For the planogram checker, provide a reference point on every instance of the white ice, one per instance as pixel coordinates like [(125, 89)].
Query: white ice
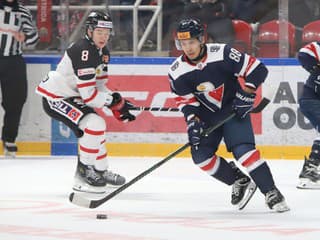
[(177, 201)]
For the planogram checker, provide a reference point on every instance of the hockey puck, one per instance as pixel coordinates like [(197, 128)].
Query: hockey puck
[(102, 216)]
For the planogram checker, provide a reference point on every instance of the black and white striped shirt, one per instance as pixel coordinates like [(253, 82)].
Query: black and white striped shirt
[(14, 19)]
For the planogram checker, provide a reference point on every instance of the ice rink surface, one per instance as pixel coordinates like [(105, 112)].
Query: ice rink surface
[(177, 201)]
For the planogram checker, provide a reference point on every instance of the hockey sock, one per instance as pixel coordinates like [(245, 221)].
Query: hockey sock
[(225, 173), (263, 178)]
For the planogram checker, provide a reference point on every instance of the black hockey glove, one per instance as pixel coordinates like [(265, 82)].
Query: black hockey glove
[(243, 103), (120, 108), (195, 128)]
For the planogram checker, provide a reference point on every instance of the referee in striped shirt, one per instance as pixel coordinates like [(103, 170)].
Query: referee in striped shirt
[(16, 29)]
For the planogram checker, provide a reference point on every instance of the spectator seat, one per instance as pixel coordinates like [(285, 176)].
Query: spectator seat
[(311, 32), (267, 42), (243, 36)]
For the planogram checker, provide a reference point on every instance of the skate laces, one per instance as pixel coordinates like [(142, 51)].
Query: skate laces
[(238, 184), (113, 178), (235, 190), (310, 167), (91, 173), (110, 175), (273, 197)]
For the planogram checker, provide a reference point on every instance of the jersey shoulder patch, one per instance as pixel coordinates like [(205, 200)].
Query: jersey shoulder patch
[(215, 52), (174, 66), (215, 47), (179, 67)]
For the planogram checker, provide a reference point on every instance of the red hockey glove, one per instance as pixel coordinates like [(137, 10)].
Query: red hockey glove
[(120, 108)]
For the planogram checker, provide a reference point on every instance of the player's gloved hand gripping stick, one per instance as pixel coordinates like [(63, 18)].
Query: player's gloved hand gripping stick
[(80, 200), (243, 103), (120, 108)]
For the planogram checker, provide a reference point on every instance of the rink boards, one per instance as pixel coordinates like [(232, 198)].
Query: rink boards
[(281, 130)]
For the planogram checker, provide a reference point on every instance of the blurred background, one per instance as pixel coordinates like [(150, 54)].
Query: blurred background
[(263, 28), (142, 50)]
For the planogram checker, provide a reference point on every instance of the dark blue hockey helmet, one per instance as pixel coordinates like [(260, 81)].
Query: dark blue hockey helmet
[(189, 28), (98, 19)]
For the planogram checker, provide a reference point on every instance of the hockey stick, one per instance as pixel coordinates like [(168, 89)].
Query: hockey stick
[(155, 109), (257, 109), (262, 104), (84, 202)]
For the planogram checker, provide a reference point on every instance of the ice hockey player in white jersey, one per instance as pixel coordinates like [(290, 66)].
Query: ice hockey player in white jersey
[(309, 103), (72, 92), (205, 80)]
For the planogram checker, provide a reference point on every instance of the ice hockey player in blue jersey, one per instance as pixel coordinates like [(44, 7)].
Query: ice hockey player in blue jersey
[(309, 102), (71, 93), (205, 80)]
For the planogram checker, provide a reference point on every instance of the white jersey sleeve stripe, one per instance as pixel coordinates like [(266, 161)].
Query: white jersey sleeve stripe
[(90, 98), (244, 66), (312, 49), (317, 50), (250, 63), (308, 51), (253, 63)]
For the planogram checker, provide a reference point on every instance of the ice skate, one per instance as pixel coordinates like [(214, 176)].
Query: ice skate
[(113, 179), (10, 149), (310, 176), (276, 201), (87, 179), (242, 189)]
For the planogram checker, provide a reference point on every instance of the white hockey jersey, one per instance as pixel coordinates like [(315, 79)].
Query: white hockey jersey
[(80, 73)]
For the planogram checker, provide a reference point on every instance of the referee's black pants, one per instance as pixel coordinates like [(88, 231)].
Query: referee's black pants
[(13, 82)]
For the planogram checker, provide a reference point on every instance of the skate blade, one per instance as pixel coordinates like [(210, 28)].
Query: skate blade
[(308, 184), (83, 187), (110, 185), (248, 195), (87, 190), (281, 207)]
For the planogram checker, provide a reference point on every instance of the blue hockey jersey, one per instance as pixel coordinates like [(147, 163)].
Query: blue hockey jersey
[(206, 88), (309, 58)]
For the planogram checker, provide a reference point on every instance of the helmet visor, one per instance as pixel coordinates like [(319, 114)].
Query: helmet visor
[(181, 36)]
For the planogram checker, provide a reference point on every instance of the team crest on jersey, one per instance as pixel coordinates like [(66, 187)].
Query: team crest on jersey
[(205, 87), (213, 94)]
